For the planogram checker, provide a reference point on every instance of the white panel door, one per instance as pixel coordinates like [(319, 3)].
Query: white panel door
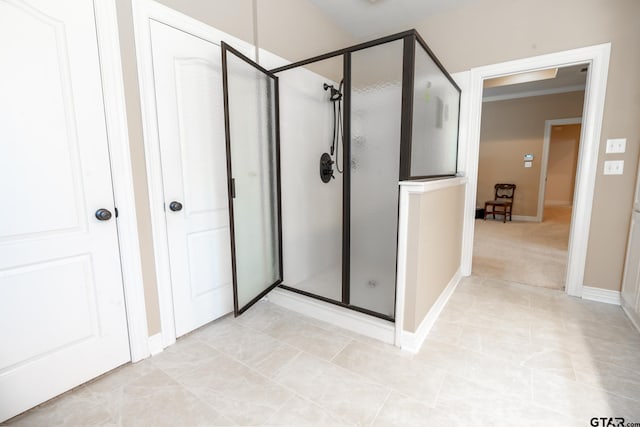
[(188, 86), (62, 317)]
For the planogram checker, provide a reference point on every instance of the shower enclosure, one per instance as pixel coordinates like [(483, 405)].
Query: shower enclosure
[(316, 151)]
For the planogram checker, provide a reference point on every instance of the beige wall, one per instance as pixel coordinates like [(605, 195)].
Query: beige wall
[(434, 249), (564, 143), (293, 29), (234, 17), (509, 130), (493, 31), (136, 146), (297, 30)]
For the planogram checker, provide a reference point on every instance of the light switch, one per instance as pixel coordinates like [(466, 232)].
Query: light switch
[(616, 145), (527, 164), (613, 167)]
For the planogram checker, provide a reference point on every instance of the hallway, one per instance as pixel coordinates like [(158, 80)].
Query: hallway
[(500, 354), (531, 253)]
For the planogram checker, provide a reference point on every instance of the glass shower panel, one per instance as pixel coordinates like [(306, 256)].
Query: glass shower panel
[(376, 101), (253, 150), (434, 142), (312, 209)]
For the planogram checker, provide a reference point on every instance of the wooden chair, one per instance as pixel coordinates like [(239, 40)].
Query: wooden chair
[(502, 203)]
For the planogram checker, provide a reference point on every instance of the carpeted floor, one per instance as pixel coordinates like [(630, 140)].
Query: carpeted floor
[(525, 252)]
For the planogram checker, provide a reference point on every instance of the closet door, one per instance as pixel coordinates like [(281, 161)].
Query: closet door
[(62, 311), (253, 165), (188, 87)]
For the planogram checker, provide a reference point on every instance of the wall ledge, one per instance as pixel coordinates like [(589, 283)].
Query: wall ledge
[(426, 185), (408, 188)]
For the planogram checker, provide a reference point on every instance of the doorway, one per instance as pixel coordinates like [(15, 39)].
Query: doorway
[(598, 59), (559, 163), (519, 146)]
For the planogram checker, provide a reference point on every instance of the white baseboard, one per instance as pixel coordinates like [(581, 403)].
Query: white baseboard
[(412, 341), (601, 295), (339, 316), (525, 218), (155, 344), (633, 315)]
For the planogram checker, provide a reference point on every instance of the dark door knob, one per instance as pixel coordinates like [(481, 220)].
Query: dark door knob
[(103, 214), (175, 206)]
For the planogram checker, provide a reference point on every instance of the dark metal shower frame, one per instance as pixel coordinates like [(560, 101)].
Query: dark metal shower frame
[(410, 37), (225, 48)]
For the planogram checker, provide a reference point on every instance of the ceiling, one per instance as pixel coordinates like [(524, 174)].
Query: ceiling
[(367, 19), (568, 78), (372, 18)]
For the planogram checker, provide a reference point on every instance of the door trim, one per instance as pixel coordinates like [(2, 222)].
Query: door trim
[(143, 12), (598, 58), (121, 175), (542, 188)]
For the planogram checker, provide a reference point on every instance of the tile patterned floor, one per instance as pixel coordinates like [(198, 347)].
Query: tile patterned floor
[(500, 354)]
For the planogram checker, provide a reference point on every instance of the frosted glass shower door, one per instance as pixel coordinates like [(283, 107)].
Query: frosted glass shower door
[(376, 102), (251, 116)]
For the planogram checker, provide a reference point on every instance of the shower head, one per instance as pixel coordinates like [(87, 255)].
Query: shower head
[(336, 95)]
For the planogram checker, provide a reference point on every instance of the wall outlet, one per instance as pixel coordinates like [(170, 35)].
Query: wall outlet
[(613, 167), (616, 145)]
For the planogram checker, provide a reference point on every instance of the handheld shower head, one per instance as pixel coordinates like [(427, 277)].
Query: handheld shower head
[(336, 95)]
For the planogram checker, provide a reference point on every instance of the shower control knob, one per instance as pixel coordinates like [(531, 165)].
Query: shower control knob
[(328, 173), (326, 168), (175, 206)]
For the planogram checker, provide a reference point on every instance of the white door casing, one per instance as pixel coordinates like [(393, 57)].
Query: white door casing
[(61, 290), (188, 87), (145, 12)]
